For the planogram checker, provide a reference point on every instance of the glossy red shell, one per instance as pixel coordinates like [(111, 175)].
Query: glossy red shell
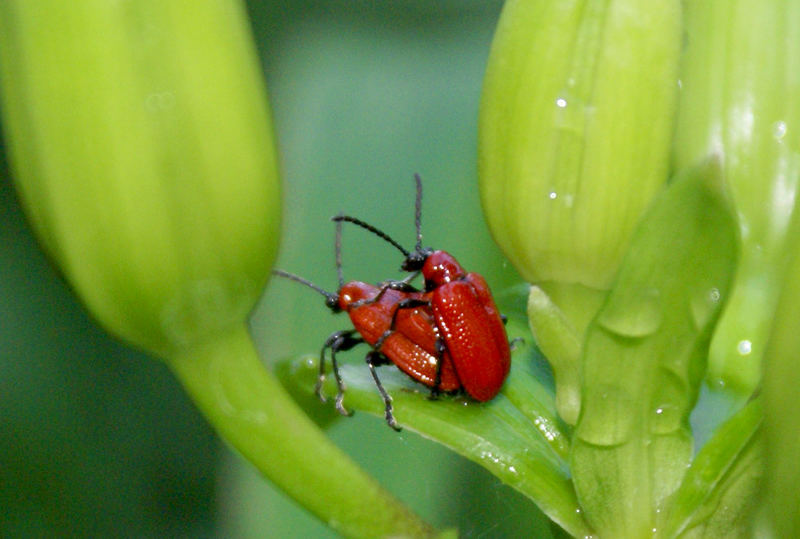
[(477, 356), (473, 330), (412, 346)]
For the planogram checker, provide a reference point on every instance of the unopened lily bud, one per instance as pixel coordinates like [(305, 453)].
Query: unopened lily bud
[(575, 128), (739, 100), (142, 151)]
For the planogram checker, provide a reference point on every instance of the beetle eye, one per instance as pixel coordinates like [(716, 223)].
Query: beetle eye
[(332, 302), (416, 260)]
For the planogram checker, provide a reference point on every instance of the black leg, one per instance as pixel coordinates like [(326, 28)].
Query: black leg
[(512, 344), (437, 382), (516, 340), (339, 341), (373, 358), (402, 286), (409, 303)]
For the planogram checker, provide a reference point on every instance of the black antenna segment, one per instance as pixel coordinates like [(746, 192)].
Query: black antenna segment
[(331, 299), (415, 259), (338, 248), (366, 226), (418, 213)]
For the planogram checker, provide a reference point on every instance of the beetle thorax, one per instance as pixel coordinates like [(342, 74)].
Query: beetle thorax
[(354, 291), (440, 268)]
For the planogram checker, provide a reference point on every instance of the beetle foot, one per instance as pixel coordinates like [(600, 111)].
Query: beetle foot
[(318, 389), (340, 406), (390, 418), (512, 345)]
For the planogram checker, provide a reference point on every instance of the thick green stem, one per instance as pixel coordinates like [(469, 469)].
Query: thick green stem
[(251, 410)]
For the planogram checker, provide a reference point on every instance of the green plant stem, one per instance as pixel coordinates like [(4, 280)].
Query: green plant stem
[(251, 410), (561, 345)]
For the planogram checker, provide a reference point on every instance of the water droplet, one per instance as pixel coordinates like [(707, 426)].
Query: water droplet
[(546, 428), (744, 347), (633, 313), (570, 114), (779, 130), (704, 305), (498, 460), (607, 419), (566, 199), (670, 392), (666, 419)]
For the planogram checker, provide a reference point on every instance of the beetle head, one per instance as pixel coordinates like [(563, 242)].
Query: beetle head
[(414, 261), (441, 267)]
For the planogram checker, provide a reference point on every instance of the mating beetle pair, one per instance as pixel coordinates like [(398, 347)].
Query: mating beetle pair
[(449, 336)]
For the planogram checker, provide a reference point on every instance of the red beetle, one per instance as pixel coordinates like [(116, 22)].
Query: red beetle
[(398, 324), (449, 337), (464, 312)]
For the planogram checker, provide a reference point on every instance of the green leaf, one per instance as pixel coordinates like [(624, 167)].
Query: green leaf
[(516, 436), (644, 356), (727, 468)]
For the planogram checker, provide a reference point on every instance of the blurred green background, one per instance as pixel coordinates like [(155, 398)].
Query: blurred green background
[(97, 439)]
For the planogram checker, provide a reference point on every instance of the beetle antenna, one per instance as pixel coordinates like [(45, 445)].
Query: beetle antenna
[(418, 212), (338, 247), (370, 228), (332, 300)]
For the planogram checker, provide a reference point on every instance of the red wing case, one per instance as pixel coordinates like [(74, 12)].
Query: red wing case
[(474, 334)]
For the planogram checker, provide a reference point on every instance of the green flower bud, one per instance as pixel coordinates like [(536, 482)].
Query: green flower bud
[(740, 82), (142, 151), (575, 127)]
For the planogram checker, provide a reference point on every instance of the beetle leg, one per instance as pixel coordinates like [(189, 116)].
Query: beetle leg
[(386, 285), (338, 341), (368, 301), (373, 359), (403, 285), (512, 344), (409, 303), (440, 349)]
